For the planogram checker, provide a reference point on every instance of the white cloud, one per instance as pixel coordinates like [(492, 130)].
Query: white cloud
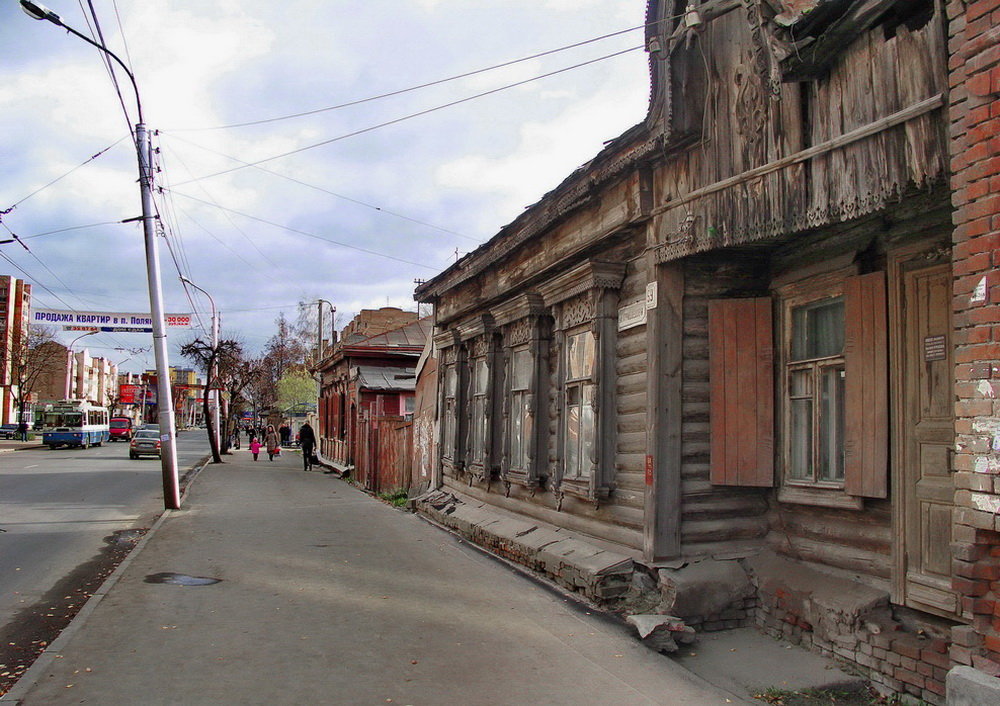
[(469, 168)]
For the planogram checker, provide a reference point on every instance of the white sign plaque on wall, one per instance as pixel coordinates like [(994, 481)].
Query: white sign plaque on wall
[(632, 315)]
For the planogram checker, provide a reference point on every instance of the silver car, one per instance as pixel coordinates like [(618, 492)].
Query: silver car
[(146, 442)]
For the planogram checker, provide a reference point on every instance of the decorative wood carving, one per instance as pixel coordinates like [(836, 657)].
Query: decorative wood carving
[(577, 311)]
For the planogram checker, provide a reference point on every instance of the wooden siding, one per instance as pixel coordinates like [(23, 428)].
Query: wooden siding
[(866, 355), (859, 542), (714, 519), (874, 77), (631, 367)]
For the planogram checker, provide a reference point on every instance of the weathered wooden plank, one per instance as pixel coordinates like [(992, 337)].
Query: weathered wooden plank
[(903, 116), (631, 363), (632, 443), (841, 557), (629, 383), (867, 398), (719, 531)]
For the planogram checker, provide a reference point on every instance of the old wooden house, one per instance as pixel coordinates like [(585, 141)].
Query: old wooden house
[(367, 382), (724, 347)]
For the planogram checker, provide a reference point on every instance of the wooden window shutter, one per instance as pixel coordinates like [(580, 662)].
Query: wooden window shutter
[(866, 441), (741, 356)]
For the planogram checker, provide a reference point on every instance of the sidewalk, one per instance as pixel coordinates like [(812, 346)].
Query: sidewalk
[(7, 445), (328, 596)]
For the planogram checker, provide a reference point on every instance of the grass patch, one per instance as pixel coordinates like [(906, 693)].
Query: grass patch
[(396, 498)]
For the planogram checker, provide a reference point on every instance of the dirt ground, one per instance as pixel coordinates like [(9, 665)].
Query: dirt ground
[(846, 696)]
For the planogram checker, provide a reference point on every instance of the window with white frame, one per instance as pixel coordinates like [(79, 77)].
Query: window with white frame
[(578, 411), (520, 420), (815, 393)]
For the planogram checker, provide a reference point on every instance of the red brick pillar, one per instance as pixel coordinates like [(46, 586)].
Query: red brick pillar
[(974, 71)]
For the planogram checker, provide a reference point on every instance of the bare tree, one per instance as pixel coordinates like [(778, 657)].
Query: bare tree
[(36, 355), (283, 353), (237, 376), (113, 400), (212, 359)]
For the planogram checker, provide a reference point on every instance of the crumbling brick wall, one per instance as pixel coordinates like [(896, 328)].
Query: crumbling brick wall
[(974, 73)]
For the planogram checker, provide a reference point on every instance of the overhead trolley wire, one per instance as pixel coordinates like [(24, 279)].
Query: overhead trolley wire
[(55, 296), (306, 233), (228, 217), (324, 190), (105, 59), (60, 178), (428, 84), (420, 113), (69, 228)]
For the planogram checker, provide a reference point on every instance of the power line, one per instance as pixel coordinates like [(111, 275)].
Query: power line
[(408, 117), (105, 59), (44, 287), (306, 233), (69, 228), (233, 223), (327, 191), (121, 32), (429, 84), (60, 178)]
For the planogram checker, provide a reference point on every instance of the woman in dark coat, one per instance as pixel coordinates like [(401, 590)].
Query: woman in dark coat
[(272, 442)]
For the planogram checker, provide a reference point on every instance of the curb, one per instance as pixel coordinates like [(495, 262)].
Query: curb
[(22, 448), (35, 672)]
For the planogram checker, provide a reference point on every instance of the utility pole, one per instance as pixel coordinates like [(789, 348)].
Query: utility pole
[(168, 430)]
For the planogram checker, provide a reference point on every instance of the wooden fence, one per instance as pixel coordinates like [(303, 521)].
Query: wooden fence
[(384, 453)]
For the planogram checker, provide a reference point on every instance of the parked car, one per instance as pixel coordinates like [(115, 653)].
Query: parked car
[(146, 442), (8, 431), (121, 429)]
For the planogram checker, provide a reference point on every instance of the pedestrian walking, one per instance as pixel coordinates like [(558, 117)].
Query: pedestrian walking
[(254, 447), (307, 442), (272, 442), (285, 432)]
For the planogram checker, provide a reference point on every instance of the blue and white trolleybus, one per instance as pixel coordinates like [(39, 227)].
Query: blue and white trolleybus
[(72, 423)]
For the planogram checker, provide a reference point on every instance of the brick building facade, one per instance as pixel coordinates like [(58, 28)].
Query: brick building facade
[(974, 72)]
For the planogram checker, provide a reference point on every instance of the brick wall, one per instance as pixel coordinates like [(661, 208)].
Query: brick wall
[(894, 659), (974, 71)]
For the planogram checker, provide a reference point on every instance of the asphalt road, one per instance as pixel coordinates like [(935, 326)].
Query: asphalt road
[(58, 506)]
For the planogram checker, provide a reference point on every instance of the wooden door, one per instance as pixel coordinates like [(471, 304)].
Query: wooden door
[(925, 490)]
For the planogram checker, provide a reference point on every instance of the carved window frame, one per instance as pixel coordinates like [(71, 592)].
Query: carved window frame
[(450, 388), (523, 327), (586, 298), (478, 409)]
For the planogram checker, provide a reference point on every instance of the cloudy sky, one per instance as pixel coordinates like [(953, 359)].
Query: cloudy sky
[(354, 220)]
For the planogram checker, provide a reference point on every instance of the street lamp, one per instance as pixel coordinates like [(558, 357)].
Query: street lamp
[(78, 373), (168, 436), (213, 369), (319, 327)]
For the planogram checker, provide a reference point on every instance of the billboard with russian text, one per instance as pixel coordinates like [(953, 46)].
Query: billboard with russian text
[(106, 320)]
